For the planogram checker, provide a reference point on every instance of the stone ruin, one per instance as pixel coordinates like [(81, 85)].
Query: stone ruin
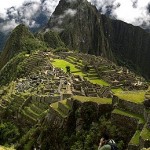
[(117, 77)]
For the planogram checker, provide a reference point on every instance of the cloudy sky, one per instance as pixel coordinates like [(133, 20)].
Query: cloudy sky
[(12, 12)]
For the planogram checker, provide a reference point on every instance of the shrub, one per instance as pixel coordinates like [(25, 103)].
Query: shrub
[(8, 133)]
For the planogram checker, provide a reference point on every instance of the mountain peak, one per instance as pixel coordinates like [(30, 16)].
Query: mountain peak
[(67, 4), (20, 39), (21, 31), (78, 23)]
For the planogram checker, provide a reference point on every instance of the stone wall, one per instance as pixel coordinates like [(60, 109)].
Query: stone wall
[(124, 121), (128, 106), (45, 99)]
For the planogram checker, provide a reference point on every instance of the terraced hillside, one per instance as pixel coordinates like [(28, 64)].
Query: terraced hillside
[(48, 94), (130, 108)]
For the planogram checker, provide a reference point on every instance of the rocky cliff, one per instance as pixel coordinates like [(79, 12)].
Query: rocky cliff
[(82, 27), (130, 44)]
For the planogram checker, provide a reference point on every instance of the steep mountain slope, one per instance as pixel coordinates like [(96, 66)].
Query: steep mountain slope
[(82, 27), (19, 40), (130, 44), (51, 39)]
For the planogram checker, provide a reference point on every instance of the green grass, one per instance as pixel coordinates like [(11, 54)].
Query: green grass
[(59, 63), (116, 90), (62, 64), (133, 96), (129, 114), (93, 99), (55, 107), (64, 103), (135, 138), (98, 81), (145, 134)]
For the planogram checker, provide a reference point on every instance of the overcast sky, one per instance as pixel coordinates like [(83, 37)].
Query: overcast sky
[(136, 12)]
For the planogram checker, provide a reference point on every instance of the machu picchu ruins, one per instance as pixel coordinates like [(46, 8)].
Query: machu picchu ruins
[(51, 91), (74, 78)]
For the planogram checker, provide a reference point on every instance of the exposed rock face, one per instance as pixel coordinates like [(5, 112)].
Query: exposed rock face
[(129, 43), (124, 121), (80, 27), (128, 106)]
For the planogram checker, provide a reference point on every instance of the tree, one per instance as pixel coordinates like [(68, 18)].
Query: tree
[(8, 133)]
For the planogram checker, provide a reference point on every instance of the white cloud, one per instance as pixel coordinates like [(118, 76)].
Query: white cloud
[(131, 11), (70, 12), (128, 13), (24, 11), (8, 26), (9, 3), (49, 6)]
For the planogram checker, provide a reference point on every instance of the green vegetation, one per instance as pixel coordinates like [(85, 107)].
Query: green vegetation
[(61, 49), (56, 108), (116, 90), (135, 138), (51, 38), (145, 134), (129, 114), (6, 148), (98, 81), (133, 96), (64, 102), (8, 72), (53, 137), (8, 133), (62, 64), (20, 40), (93, 99), (25, 114)]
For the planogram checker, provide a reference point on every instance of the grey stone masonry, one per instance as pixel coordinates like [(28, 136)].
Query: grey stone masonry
[(124, 121), (45, 99), (128, 106)]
